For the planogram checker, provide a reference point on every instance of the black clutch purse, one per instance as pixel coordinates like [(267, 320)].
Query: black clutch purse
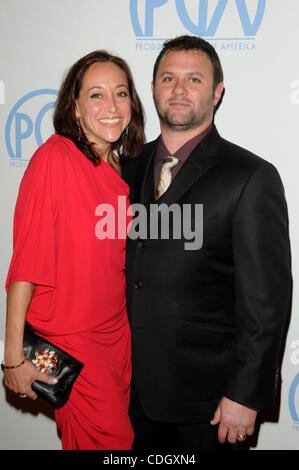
[(51, 360)]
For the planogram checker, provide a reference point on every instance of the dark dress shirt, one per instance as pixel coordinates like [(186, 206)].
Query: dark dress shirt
[(182, 154)]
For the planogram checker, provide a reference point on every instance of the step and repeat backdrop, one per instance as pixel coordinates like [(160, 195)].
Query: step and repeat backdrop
[(257, 41)]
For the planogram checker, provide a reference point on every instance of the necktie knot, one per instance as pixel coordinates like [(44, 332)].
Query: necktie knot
[(169, 161), (165, 175)]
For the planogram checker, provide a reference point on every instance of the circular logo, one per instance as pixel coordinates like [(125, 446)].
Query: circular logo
[(292, 399), (27, 121)]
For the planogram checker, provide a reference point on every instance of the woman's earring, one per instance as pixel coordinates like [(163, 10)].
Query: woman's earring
[(127, 130), (79, 129)]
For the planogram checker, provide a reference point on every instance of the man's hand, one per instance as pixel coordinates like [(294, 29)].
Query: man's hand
[(233, 419)]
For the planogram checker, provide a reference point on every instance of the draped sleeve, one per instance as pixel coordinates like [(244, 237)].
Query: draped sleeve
[(35, 218)]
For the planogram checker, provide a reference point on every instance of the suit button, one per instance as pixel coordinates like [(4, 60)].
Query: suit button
[(138, 285)]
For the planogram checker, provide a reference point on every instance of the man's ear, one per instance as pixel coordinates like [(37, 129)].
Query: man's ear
[(218, 93)]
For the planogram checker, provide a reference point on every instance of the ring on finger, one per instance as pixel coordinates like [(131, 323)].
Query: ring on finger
[(241, 436), (21, 395)]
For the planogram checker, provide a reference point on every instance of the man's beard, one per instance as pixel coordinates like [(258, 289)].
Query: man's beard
[(189, 121)]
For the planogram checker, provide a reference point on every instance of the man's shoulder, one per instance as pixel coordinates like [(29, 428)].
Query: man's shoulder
[(242, 164), (237, 156), (237, 162)]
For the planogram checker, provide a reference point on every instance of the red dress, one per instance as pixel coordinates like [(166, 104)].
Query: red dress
[(79, 297)]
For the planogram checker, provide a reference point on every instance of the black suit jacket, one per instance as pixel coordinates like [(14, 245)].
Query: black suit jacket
[(208, 323)]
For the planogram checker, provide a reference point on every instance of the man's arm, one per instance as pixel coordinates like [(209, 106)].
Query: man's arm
[(262, 288)]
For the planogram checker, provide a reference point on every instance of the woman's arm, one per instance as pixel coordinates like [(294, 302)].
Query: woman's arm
[(18, 299), (19, 379)]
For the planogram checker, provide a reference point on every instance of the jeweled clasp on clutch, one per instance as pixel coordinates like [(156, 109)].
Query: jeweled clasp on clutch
[(45, 360)]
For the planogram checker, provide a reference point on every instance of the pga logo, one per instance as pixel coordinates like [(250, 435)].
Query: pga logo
[(294, 388), (28, 123), (293, 403), (211, 13)]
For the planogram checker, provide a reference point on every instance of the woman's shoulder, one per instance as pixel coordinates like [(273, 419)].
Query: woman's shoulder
[(56, 144), (56, 150)]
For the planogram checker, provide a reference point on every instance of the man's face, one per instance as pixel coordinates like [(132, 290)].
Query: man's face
[(183, 91)]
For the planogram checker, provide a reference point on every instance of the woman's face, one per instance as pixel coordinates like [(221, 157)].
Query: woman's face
[(104, 105)]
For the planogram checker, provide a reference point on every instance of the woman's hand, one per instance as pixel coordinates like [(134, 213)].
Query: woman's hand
[(19, 380)]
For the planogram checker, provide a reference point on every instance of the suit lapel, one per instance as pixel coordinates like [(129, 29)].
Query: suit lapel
[(145, 177), (201, 159)]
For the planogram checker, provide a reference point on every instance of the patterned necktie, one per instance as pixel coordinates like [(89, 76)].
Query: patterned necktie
[(165, 175)]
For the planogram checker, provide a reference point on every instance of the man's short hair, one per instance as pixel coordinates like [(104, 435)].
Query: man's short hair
[(190, 43)]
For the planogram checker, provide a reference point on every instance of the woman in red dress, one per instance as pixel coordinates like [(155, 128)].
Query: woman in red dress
[(66, 276)]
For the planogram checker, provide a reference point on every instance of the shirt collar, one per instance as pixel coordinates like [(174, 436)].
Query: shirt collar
[(183, 152)]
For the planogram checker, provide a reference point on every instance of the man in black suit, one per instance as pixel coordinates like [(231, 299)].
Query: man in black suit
[(207, 320)]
